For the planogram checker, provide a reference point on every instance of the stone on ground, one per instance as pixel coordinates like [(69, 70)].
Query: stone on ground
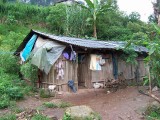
[(79, 112)]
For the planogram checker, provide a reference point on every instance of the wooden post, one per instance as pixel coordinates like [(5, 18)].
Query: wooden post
[(150, 82)]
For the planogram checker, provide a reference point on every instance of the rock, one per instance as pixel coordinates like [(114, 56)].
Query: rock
[(155, 89), (141, 110), (155, 104), (79, 112)]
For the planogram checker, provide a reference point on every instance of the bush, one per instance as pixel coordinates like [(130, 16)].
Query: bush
[(4, 101), (44, 93), (15, 93)]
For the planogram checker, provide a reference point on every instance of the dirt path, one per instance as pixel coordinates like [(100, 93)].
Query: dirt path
[(121, 105)]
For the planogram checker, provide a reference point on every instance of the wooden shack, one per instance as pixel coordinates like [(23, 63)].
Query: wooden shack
[(80, 71)]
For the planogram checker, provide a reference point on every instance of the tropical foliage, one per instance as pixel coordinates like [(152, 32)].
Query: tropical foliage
[(109, 23)]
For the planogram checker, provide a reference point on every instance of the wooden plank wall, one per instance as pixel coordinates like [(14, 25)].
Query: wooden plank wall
[(70, 73), (129, 70), (105, 74), (142, 67), (84, 73)]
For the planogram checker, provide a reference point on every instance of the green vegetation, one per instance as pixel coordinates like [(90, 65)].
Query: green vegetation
[(64, 104), (44, 93), (59, 105), (16, 20), (152, 113), (8, 117), (50, 105)]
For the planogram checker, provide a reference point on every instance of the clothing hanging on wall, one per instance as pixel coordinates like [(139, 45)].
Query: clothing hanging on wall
[(73, 54), (94, 62), (66, 55), (60, 69)]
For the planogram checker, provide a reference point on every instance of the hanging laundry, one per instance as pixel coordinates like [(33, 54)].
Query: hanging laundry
[(28, 48), (65, 55), (60, 69), (94, 63), (73, 56), (102, 61)]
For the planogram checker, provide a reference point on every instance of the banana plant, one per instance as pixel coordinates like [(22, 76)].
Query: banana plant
[(95, 8)]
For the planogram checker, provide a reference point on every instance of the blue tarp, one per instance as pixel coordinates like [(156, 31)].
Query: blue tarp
[(28, 48)]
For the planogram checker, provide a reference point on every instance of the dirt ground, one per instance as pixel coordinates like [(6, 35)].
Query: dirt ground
[(121, 105)]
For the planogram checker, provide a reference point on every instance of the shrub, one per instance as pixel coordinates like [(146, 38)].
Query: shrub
[(15, 93), (44, 93), (28, 71), (4, 101)]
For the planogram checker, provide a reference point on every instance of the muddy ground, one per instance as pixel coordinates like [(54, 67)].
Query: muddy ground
[(125, 104)]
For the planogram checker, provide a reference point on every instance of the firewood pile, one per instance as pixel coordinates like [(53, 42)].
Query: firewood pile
[(113, 85)]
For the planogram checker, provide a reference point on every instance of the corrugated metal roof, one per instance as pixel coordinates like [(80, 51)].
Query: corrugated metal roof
[(91, 43)]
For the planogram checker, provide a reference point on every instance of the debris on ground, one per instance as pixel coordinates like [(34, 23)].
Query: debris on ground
[(155, 89)]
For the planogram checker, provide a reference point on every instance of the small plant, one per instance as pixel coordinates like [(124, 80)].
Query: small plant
[(50, 105), (67, 117), (43, 93), (39, 117), (64, 104), (94, 116), (152, 113)]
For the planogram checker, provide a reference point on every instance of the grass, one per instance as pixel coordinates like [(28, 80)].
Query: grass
[(8, 117), (50, 105), (54, 105), (64, 104)]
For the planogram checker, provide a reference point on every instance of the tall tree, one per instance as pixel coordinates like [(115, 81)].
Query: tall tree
[(156, 7), (95, 8)]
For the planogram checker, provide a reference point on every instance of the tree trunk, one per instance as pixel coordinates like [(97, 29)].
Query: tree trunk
[(150, 83), (159, 20), (95, 29)]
